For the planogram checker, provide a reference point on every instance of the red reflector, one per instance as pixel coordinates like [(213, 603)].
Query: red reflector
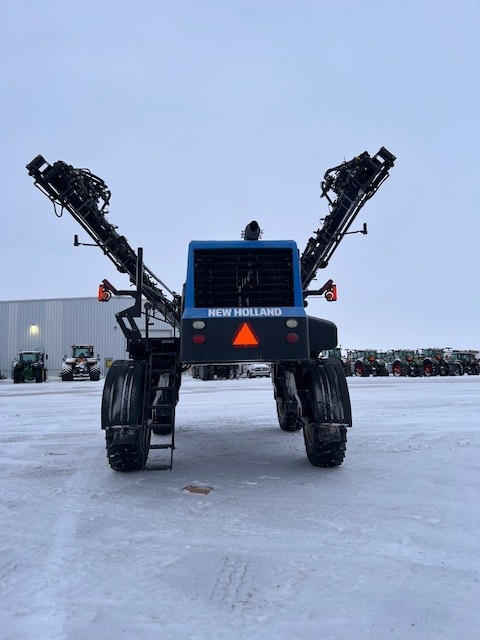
[(245, 337), (292, 337), (198, 338)]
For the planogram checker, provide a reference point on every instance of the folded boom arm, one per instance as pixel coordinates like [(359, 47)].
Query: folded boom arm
[(347, 187), (86, 198)]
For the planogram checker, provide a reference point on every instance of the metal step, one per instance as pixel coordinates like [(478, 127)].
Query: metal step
[(158, 407), (165, 410), (158, 467)]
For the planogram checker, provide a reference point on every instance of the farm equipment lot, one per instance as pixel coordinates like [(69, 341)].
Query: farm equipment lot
[(384, 546)]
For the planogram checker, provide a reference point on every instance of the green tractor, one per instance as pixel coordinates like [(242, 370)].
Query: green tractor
[(461, 362), (434, 363), (406, 362), (30, 366), (368, 362), (469, 360)]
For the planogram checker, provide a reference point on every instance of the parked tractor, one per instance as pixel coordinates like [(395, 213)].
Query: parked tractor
[(433, 362), (243, 301), (30, 366), (406, 363), (368, 363), (468, 360), (455, 362), (82, 364)]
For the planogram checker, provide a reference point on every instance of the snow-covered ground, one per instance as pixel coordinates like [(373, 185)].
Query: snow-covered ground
[(385, 546)]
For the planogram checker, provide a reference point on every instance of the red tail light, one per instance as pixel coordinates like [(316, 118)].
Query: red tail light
[(104, 294), (331, 294)]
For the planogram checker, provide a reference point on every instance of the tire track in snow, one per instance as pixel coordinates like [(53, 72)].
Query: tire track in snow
[(232, 589), (51, 593)]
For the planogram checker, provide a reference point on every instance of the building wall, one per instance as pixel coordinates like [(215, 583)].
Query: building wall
[(54, 325)]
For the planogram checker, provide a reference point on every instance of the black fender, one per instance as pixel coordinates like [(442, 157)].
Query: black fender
[(322, 334)]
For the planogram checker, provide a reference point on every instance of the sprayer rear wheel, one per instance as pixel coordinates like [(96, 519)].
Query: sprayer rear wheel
[(329, 404), (287, 421), (127, 438)]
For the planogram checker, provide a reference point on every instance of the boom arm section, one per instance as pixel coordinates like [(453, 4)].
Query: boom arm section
[(347, 187), (86, 198)]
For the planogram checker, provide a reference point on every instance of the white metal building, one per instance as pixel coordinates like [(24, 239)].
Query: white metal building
[(54, 325)]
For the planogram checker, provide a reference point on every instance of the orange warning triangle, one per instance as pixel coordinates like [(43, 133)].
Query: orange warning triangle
[(245, 337)]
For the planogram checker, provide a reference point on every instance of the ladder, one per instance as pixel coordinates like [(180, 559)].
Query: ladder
[(161, 396)]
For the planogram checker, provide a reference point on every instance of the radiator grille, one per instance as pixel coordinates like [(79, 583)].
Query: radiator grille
[(243, 278)]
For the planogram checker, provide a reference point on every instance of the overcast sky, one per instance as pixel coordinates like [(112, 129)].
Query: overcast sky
[(203, 115)]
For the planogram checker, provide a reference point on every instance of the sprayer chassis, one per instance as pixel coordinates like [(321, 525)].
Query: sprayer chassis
[(242, 302)]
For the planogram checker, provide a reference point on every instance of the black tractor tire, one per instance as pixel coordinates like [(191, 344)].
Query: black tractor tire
[(41, 375), (17, 376), (457, 369), (287, 421), (122, 404), (67, 377), (95, 376), (329, 403), (347, 367)]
